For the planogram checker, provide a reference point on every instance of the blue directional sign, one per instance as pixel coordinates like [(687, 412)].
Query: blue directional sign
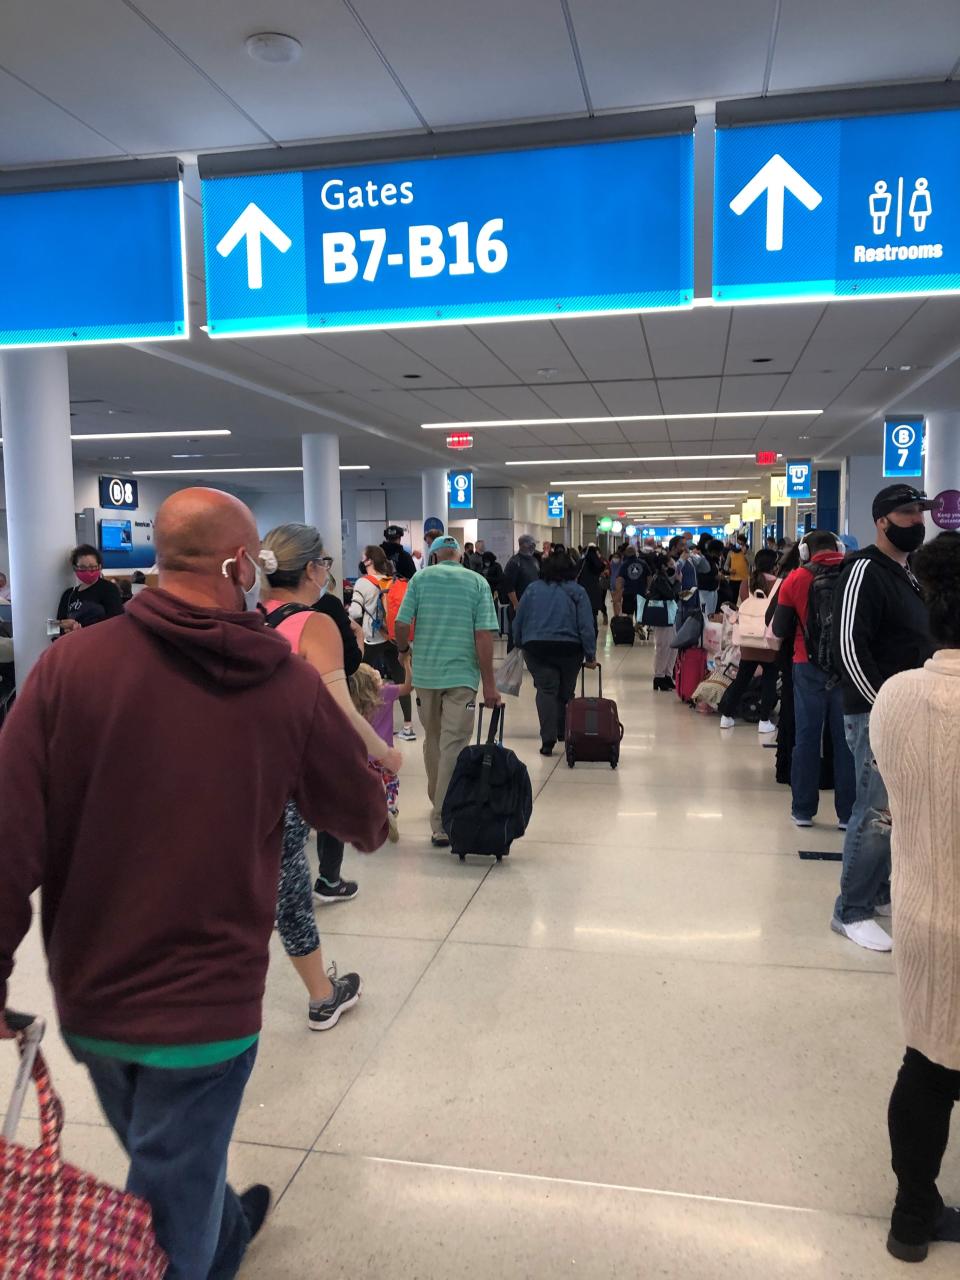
[(558, 230), (903, 447), (847, 207), (799, 478), (461, 490), (554, 506), (92, 264)]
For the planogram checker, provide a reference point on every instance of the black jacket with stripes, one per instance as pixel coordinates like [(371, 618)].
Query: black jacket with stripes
[(880, 626)]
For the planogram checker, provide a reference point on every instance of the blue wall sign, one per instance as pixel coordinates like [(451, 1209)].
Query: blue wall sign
[(663, 531), (461, 490), (433, 524), (556, 230), (119, 494), (846, 207), (903, 447), (554, 506), (92, 264), (799, 478)]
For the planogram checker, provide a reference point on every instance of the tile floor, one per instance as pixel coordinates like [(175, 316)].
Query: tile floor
[(635, 1049)]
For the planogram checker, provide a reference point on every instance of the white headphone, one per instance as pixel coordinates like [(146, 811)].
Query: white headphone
[(805, 548)]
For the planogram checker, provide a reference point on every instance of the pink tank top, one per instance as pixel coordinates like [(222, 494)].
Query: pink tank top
[(291, 628)]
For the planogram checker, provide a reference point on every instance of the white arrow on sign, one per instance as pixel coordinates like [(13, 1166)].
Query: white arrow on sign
[(776, 177), (253, 225)]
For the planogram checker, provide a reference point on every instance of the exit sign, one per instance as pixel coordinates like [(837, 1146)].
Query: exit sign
[(766, 459)]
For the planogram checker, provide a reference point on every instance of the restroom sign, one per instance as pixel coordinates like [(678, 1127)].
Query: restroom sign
[(903, 447), (461, 490)]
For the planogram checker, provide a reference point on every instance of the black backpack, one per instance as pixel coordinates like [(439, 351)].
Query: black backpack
[(489, 800), (818, 629)]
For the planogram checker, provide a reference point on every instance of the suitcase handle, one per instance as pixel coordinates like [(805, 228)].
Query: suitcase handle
[(583, 679), (498, 717)]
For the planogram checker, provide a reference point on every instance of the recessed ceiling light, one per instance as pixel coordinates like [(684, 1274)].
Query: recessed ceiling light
[(897, 368), (622, 417), (272, 46), (412, 377), (762, 360), (546, 373), (803, 437)]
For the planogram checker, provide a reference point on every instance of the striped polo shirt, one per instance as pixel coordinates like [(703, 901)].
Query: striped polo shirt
[(449, 603)]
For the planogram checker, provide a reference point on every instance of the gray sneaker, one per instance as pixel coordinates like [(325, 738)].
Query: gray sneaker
[(346, 992)]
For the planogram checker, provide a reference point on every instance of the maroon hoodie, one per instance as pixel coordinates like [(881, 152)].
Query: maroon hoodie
[(143, 777)]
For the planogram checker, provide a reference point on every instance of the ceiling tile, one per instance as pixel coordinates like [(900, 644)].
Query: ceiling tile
[(513, 402), (528, 345), (512, 61), (813, 389), (311, 358), (690, 395), (751, 391), (882, 43), (44, 132), (600, 433), (639, 52), (104, 64), (699, 429), (380, 352), (458, 353), (559, 436), (729, 430), (339, 85), (607, 347), (929, 335), (572, 400), (776, 333), (630, 397), (687, 343), (646, 432), (456, 403), (851, 333)]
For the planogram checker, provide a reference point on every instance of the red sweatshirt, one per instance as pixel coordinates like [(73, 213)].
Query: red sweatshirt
[(143, 777)]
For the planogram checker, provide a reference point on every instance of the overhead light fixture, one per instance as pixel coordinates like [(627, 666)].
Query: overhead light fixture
[(657, 494), (231, 471), (149, 435), (621, 417), (273, 47), (632, 457), (572, 484)]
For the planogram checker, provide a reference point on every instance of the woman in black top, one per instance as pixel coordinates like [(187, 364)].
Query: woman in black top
[(93, 599), (591, 570)]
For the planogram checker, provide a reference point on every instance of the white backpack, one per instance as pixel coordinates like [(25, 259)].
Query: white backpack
[(750, 630)]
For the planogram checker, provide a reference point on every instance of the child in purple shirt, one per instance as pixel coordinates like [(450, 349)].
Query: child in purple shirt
[(374, 699)]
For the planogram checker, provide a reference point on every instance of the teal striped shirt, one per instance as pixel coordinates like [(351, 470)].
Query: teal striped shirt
[(448, 603)]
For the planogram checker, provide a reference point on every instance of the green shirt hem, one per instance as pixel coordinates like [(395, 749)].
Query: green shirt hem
[(168, 1056)]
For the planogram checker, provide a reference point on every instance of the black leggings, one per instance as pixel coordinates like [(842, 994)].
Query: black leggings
[(768, 688), (554, 667), (386, 659), (919, 1121)]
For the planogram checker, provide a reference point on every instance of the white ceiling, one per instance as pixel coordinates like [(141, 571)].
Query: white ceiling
[(112, 78)]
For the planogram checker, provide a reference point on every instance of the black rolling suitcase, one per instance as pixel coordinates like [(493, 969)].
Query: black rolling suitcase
[(489, 800), (623, 629)]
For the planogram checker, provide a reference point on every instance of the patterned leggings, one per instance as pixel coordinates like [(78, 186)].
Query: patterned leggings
[(296, 922)]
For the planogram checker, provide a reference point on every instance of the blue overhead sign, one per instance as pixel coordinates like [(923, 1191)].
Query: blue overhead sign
[(92, 264), (554, 506), (799, 479), (848, 207), (461, 490), (903, 447), (551, 231)]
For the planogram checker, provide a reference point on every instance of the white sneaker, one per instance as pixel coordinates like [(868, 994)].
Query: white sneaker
[(865, 933), (766, 726), (727, 722), (407, 735), (801, 822), (841, 826), (886, 910)]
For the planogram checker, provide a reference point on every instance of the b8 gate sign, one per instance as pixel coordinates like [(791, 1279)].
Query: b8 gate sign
[(903, 447), (563, 230)]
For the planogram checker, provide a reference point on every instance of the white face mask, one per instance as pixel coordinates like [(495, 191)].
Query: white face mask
[(251, 595)]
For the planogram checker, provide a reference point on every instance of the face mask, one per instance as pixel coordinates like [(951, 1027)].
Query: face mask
[(88, 576), (251, 595), (909, 538)]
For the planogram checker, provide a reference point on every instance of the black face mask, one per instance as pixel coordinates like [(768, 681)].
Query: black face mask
[(906, 538)]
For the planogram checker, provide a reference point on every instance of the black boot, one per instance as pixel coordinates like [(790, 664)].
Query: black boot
[(667, 684)]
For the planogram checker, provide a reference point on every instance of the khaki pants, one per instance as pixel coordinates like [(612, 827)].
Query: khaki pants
[(447, 716)]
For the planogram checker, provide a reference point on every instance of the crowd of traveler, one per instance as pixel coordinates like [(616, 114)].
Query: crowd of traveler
[(259, 683)]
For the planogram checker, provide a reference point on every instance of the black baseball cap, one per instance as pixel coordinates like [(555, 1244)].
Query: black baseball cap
[(896, 496), (393, 531)]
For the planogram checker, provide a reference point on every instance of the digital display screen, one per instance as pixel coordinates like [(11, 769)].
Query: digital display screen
[(116, 535)]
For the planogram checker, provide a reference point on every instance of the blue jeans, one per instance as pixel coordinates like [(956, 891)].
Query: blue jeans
[(175, 1125), (865, 882), (814, 706)]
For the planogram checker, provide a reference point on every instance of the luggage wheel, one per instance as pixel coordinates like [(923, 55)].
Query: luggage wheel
[(571, 759)]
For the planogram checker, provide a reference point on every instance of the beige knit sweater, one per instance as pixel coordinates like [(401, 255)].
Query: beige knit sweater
[(915, 735)]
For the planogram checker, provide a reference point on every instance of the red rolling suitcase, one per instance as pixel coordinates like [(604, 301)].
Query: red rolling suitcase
[(690, 672), (593, 728)]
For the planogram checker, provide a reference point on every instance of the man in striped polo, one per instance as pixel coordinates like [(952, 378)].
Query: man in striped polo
[(452, 654), (880, 628)]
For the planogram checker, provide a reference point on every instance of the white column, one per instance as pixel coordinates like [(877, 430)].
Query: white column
[(321, 495), (434, 488), (38, 471), (942, 465)]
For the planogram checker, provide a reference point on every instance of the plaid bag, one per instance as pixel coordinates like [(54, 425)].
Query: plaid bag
[(57, 1222)]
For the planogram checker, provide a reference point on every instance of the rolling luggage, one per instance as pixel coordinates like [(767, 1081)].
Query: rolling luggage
[(593, 728), (489, 800), (54, 1219), (690, 672), (623, 629)]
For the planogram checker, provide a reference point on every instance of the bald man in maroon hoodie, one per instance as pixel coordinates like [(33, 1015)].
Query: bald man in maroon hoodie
[(157, 922)]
